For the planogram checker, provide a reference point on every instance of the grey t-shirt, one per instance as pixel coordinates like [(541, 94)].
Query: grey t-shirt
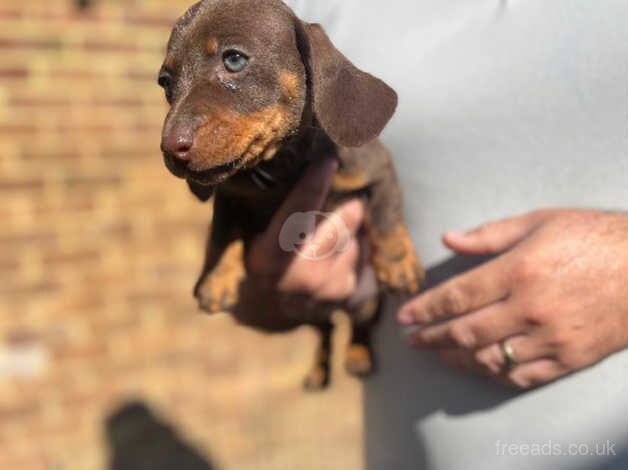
[(505, 107)]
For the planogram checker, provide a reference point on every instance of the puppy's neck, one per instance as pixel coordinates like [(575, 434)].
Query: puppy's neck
[(300, 150), (278, 175)]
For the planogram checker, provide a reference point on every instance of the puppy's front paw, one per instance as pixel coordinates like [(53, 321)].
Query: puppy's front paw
[(317, 379), (403, 276), (218, 291), (395, 261), (217, 294), (359, 360)]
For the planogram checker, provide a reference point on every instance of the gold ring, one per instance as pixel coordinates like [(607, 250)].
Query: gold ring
[(509, 355)]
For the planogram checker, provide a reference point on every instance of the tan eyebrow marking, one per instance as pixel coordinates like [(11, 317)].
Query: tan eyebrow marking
[(212, 46), (289, 84)]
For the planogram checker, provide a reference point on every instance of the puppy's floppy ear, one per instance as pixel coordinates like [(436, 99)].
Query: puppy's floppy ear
[(350, 105), (203, 193), (184, 21)]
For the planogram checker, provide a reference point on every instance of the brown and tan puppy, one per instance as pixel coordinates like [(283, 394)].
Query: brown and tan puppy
[(256, 94)]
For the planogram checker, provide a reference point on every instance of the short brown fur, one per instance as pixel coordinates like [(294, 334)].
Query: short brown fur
[(254, 132), (221, 286), (228, 133), (394, 259)]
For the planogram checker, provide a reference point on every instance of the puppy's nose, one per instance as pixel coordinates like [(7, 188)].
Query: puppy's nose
[(179, 144)]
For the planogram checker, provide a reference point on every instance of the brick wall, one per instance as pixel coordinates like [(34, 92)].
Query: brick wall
[(99, 249)]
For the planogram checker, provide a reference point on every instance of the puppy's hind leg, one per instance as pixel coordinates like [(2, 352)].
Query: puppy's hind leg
[(359, 359), (319, 375)]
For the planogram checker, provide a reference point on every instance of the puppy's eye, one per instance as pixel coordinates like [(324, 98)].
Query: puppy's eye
[(235, 61), (165, 81)]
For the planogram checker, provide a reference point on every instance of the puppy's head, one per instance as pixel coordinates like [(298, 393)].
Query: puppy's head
[(239, 75)]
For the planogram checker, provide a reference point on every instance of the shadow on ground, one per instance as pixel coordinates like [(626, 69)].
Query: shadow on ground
[(138, 440)]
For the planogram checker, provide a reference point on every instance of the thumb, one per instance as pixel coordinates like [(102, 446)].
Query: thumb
[(494, 237)]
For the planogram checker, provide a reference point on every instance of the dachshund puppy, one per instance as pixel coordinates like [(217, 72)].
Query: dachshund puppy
[(255, 95)]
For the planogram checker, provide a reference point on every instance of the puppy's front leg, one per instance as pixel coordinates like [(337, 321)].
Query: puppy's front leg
[(218, 286), (359, 360), (370, 168), (393, 256), (318, 377)]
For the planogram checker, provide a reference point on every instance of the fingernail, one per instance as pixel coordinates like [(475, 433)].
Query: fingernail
[(354, 206), (455, 235), (405, 317)]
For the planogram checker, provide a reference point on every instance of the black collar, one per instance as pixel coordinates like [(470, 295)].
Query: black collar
[(262, 178)]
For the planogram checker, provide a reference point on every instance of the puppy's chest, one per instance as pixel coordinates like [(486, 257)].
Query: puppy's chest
[(253, 205), (256, 195)]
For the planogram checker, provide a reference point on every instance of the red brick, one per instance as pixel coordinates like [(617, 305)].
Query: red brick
[(32, 184), (36, 238), (55, 156), (50, 286), (71, 205), (82, 256), (9, 14), (142, 76), (38, 102), (13, 73), (122, 154), (74, 181), (74, 74), (120, 229), (65, 129), (122, 103), (44, 44), (21, 129), (19, 411), (87, 170), (8, 263), (147, 19), (19, 338), (94, 45)]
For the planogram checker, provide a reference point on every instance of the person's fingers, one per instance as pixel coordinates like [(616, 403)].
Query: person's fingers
[(335, 231), (342, 279), (534, 374), (367, 285), (525, 376), (463, 294), (525, 349), (491, 361), (474, 330), (462, 359), (310, 269), (326, 279), (309, 194), (494, 237)]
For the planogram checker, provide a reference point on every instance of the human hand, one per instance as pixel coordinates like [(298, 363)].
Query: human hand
[(556, 294), (279, 276)]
